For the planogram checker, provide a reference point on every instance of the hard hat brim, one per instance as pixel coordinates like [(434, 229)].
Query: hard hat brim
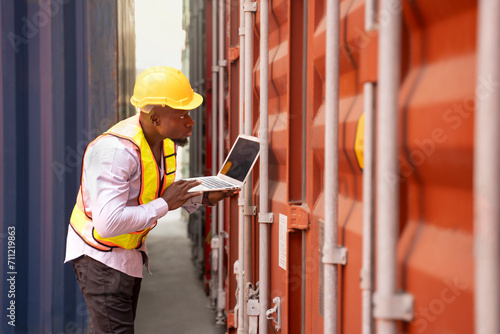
[(195, 102)]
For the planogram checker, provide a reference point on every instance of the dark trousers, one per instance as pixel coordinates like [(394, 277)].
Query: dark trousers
[(111, 295)]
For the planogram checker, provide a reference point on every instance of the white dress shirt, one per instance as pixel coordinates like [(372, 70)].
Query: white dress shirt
[(112, 180)]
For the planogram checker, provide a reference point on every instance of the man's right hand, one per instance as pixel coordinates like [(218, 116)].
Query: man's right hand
[(177, 193)]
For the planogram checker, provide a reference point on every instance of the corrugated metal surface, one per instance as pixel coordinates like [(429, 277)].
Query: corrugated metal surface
[(285, 154), (436, 112), (350, 179), (67, 73), (59, 88)]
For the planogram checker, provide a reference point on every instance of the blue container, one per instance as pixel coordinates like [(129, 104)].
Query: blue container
[(60, 83)]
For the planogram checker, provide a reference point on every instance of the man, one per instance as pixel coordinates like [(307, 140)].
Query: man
[(128, 183)]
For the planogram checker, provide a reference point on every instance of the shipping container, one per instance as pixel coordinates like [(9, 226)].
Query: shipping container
[(67, 70), (373, 207), (402, 189)]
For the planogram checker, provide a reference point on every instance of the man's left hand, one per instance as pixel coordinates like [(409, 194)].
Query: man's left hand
[(215, 196)]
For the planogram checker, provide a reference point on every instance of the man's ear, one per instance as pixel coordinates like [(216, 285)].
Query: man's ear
[(155, 120)]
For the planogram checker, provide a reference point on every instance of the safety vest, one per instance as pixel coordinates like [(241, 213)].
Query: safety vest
[(151, 187)]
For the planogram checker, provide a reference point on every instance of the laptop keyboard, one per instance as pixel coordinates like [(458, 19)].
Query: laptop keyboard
[(213, 183)]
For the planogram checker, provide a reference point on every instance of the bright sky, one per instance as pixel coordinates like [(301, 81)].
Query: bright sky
[(160, 38)]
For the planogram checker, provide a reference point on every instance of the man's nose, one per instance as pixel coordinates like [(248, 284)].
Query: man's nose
[(189, 121)]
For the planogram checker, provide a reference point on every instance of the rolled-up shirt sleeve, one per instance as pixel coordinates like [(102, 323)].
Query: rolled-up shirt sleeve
[(193, 204), (107, 182)]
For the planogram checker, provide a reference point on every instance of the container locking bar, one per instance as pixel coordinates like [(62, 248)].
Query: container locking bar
[(365, 280), (241, 200), (398, 306)]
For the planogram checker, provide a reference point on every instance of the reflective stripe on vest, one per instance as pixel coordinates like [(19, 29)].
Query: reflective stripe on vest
[(151, 187)]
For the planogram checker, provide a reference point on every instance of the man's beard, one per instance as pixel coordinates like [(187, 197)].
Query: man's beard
[(181, 142)]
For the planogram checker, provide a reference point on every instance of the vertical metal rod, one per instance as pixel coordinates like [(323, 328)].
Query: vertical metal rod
[(304, 160), (241, 199), (387, 156), (264, 167), (368, 188), (221, 298), (368, 209), (201, 88), (304, 100), (487, 171), (193, 65), (214, 132), (331, 162), (248, 130)]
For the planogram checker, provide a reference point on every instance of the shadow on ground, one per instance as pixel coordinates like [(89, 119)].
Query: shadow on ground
[(172, 300)]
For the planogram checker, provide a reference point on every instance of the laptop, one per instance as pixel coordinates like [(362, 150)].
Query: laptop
[(235, 168)]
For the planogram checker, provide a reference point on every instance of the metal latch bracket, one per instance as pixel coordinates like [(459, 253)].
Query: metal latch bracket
[(253, 308), (215, 242), (250, 210), (398, 306), (337, 255), (277, 311), (266, 217), (299, 217), (250, 7)]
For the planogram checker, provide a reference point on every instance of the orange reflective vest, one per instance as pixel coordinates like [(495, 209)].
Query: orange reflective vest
[(151, 187)]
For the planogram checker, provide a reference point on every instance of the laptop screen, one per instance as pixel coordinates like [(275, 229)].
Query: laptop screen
[(241, 159)]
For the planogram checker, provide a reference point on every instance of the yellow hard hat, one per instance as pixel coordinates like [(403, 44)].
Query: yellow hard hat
[(164, 85)]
